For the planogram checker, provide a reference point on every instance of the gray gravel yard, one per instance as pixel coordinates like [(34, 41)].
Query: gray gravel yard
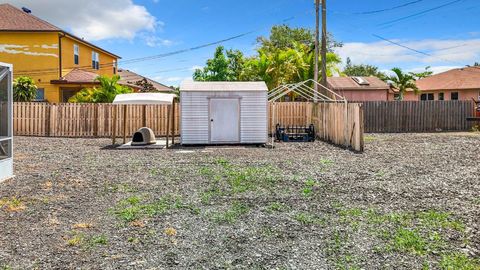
[(411, 201)]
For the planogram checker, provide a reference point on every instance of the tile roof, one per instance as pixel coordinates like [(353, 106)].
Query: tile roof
[(455, 79), (14, 19), (223, 86), (342, 83), (130, 78), (77, 76)]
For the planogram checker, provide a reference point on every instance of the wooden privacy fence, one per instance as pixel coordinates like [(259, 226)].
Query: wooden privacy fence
[(417, 116), (340, 124), (337, 123), (290, 114), (87, 120)]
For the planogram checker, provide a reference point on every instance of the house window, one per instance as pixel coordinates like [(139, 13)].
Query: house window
[(454, 96), (95, 61), (428, 96), (40, 94), (441, 96), (114, 66), (76, 53)]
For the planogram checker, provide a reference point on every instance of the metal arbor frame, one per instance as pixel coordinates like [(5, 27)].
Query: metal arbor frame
[(307, 92)]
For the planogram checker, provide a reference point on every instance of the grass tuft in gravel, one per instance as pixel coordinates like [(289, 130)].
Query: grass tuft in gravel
[(12, 204), (459, 261), (134, 208), (309, 219), (86, 242), (231, 214), (409, 241), (227, 179)]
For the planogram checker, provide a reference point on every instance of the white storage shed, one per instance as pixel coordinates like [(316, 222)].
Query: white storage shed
[(223, 113), (6, 122)]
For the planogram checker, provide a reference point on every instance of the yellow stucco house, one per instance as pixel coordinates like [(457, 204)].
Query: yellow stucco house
[(60, 63)]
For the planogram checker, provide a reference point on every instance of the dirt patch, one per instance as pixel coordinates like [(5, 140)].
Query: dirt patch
[(410, 201)]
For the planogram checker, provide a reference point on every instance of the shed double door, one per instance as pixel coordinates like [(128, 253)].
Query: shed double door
[(224, 120)]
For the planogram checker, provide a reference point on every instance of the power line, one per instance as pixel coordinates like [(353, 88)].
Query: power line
[(134, 60), (417, 51), (387, 9), (153, 57), (420, 13)]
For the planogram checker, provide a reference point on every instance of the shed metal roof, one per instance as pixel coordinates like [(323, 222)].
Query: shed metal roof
[(223, 86), (144, 98)]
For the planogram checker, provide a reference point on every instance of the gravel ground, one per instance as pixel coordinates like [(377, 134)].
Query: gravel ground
[(410, 201)]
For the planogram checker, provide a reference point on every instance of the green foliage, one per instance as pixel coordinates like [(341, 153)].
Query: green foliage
[(283, 37), (232, 214), (443, 220), (309, 219), (24, 89), (227, 179), (282, 66), (286, 56), (224, 66), (411, 241), (309, 186), (105, 93), (458, 261), (133, 208), (362, 70), (276, 207), (403, 81), (420, 75)]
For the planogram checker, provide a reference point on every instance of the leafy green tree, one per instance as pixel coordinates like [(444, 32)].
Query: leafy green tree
[(24, 89), (105, 93), (476, 64), (284, 37), (286, 56), (224, 66), (420, 75), (362, 70), (403, 81), (282, 66)]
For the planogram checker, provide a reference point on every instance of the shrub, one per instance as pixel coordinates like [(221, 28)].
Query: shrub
[(105, 93), (24, 89)]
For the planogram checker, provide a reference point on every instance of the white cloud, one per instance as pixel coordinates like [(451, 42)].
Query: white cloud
[(195, 68), (442, 52), (154, 41), (94, 19)]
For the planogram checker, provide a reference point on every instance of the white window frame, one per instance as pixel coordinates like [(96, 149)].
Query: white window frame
[(95, 60), (76, 52)]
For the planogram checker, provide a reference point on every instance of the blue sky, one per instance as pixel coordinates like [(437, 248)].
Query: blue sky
[(450, 34)]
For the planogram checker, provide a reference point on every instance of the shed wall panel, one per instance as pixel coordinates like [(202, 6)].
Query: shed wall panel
[(195, 115)]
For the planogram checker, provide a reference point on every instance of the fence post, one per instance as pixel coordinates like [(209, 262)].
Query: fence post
[(53, 120), (95, 120)]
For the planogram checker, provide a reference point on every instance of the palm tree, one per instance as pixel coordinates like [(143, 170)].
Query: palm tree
[(403, 81), (106, 93)]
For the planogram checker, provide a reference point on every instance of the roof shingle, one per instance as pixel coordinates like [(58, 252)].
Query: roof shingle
[(455, 79), (14, 19), (78, 76), (130, 78), (347, 83)]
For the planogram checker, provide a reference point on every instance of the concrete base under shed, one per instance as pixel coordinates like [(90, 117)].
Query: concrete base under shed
[(161, 144)]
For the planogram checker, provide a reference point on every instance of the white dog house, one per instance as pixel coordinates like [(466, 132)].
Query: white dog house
[(223, 113), (6, 122)]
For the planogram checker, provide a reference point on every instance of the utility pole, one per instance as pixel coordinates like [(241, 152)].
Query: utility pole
[(317, 37), (324, 45)]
